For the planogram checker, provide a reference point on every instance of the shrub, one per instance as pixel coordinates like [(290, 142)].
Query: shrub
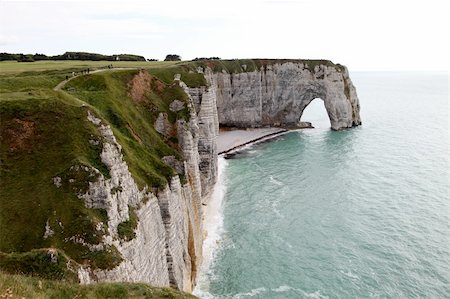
[(173, 57)]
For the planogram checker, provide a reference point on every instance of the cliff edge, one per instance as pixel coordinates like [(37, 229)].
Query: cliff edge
[(105, 179), (257, 93)]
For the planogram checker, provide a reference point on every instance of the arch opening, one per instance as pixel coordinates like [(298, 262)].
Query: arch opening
[(315, 115)]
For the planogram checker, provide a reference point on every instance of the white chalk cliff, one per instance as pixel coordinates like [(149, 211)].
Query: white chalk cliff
[(277, 95), (167, 248)]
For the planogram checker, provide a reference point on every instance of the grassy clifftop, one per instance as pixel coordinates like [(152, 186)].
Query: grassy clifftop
[(18, 68), (130, 101), (250, 65), (17, 286), (45, 134)]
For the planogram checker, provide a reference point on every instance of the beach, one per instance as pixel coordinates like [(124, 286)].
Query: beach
[(229, 140)]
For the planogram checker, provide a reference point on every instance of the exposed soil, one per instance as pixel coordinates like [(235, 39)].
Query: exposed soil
[(142, 83), (136, 136), (19, 134)]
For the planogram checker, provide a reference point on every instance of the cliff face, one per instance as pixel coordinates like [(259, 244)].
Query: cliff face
[(205, 112), (167, 247), (129, 226), (277, 94)]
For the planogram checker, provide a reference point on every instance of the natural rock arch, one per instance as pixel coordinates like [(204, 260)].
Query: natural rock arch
[(278, 94)]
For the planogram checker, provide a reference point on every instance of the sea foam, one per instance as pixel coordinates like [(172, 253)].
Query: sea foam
[(213, 226)]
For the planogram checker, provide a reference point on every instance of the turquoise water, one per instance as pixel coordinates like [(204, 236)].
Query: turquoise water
[(360, 213)]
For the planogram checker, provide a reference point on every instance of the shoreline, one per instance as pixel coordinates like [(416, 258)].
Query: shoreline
[(234, 140), (212, 231), (213, 221)]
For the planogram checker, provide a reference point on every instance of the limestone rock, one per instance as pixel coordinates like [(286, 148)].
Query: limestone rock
[(204, 101), (163, 125), (57, 181), (305, 125), (280, 92), (150, 232), (48, 230), (176, 106), (174, 163), (168, 242)]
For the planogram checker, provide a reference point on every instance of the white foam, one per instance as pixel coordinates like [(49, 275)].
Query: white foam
[(315, 294), (282, 289), (247, 147), (349, 274), (275, 181), (251, 293), (285, 288), (213, 225)]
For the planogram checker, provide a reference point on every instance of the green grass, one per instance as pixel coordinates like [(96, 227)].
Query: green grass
[(107, 258), (132, 121), (189, 75), (18, 286), (126, 229), (30, 81), (43, 263), (250, 65), (13, 67), (46, 134)]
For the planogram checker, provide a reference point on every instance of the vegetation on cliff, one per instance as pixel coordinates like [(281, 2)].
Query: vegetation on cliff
[(131, 108), (18, 286), (46, 263), (126, 229), (45, 134), (250, 65), (48, 151)]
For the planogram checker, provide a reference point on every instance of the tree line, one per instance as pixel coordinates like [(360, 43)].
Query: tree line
[(205, 58), (175, 57), (90, 56), (71, 56)]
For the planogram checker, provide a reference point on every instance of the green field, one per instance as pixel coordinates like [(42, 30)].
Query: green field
[(231, 66), (14, 67)]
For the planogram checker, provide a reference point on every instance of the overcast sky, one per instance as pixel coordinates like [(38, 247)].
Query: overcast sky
[(364, 35)]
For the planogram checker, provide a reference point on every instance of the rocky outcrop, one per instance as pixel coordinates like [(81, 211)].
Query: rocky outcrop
[(163, 126), (168, 242), (203, 100), (277, 94), (144, 258)]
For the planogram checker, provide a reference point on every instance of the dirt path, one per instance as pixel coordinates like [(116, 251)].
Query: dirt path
[(62, 83)]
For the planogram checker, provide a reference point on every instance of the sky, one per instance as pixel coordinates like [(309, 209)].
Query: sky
[(363, 35)]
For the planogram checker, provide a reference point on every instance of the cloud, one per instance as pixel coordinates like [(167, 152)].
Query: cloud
[(8, 39)]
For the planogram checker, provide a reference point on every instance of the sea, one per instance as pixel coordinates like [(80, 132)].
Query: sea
[(359, 213)]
